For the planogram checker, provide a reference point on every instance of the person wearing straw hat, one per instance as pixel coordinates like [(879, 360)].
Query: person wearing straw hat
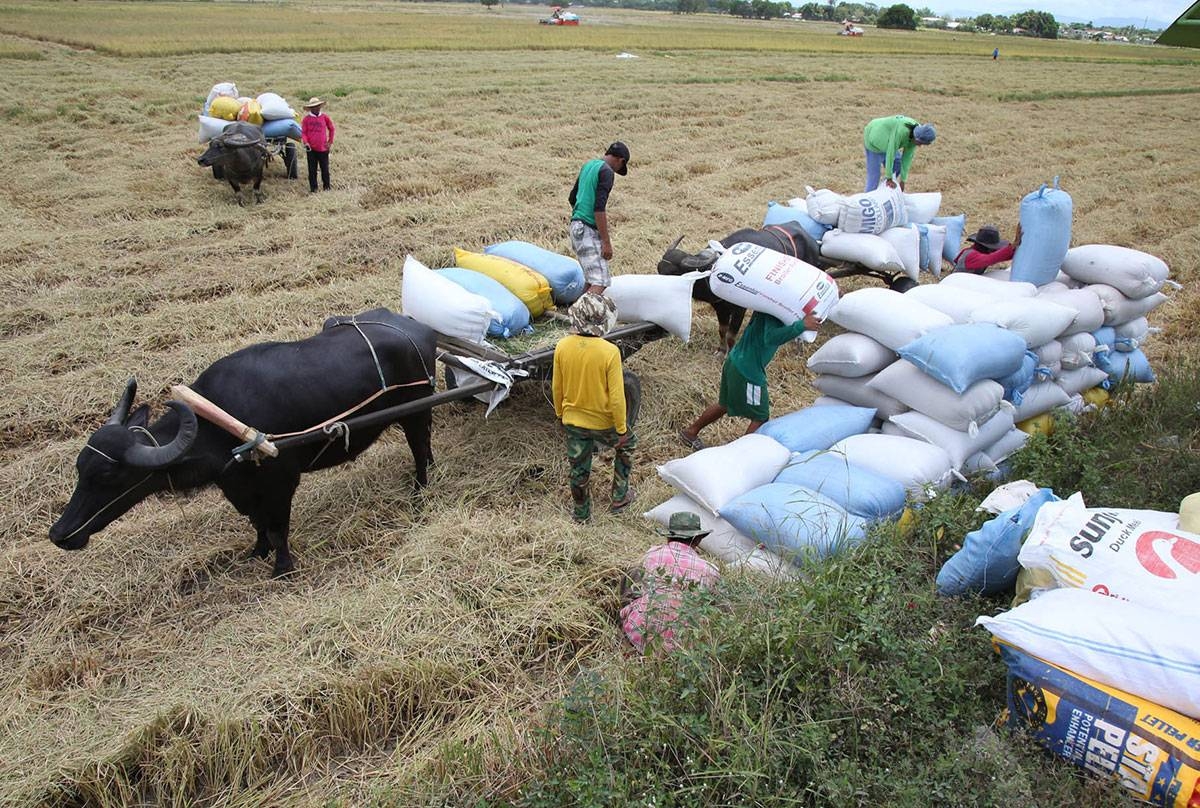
[(316, 133), (589, 214), (892, 142), (986, 249), (589, 399)]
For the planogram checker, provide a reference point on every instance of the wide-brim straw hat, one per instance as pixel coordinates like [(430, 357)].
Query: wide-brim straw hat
[(313, 103)]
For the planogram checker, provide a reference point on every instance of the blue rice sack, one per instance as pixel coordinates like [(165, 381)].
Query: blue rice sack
[(954, 234), (1045, 235), (960, 355), (794, 522), (987, 562), (563, 273), (514, 315), (1131, 364), (818, 427), (283, 127), (860, 491), (778, 213), (1016, 383)]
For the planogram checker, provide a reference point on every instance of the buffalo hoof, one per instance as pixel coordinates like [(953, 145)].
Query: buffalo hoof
[(257, 552), (241, 204), (258, 198), (284, 571)]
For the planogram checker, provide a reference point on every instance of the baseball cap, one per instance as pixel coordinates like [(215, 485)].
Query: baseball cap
[(619, 149)]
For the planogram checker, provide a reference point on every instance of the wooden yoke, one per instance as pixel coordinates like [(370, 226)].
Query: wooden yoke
[(215, 415)]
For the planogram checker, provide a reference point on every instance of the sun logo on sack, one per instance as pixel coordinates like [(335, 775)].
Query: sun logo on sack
[(1182, 555)]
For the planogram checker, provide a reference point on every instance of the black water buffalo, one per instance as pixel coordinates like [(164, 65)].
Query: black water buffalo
[(276, 387), (238, 154), (789, 239)]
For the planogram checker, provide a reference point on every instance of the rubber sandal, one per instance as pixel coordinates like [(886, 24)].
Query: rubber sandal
[(695, 444), (618, 507)]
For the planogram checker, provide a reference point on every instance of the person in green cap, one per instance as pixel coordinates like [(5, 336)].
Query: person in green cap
[(589, 215), (893, 141)]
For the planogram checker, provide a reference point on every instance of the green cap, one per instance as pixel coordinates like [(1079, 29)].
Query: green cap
[(685, 526)]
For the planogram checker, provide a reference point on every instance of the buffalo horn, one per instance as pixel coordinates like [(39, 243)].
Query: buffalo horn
[(153, 457), (121, 412)]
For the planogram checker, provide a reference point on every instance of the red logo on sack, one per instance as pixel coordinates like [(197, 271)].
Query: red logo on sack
[(1182, 555)]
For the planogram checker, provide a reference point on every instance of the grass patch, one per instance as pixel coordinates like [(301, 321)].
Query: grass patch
[(1046, 95)]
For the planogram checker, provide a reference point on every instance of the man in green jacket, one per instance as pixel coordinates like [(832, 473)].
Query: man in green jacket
[(589, 215), (892, 142)]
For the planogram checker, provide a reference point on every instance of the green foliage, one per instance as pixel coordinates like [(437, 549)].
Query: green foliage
[(1037, 23), (898, 16), (489, 3)]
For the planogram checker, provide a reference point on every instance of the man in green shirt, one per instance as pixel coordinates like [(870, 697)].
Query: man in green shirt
[(589, 215), (744, 375), (892, 142)]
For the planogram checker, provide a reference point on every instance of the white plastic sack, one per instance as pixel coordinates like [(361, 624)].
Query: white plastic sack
[(664, 300), (956, 303), (1148, 651), (224, 88), (851, 355), (911, 386), (771, 282), (1089, 311), (1050, 355), (1120, 309), (958, 444), (274, 108), (823, 205), (858, 391), (1010, 442), (888, 317), (988, 286), (1040, 398), (869, 250), (442, 304), (1078, 351), (714, 476), (1038, 321), (873, 211), (1133, 273), (1131, 335), (913, 463), (921, 208), (723, 541), (1074, 382), (907, 243), (210, 128)]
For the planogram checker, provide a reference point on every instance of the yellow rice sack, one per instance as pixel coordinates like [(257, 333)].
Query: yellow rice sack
[(1096, 395), (530, 287), (1030, 580), (251, 112), (1189, 513), (1038, 425), (225, 108)]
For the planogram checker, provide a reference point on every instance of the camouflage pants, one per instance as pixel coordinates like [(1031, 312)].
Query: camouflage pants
[(581, 445)]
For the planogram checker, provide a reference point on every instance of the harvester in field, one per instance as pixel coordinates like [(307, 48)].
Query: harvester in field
[(560, 17)]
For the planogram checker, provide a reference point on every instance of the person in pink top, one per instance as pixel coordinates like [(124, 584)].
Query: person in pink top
[(987, 249), (316, 133)]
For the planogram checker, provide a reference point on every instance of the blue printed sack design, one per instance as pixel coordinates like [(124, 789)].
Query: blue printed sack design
[(1046, 235), (954, 234), (860, 491), (960, 355), (795, 522), (778, 213), (987, 562), (564, 274), (818, 427), (514, 315)]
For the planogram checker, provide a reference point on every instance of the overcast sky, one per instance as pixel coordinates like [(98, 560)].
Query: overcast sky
[(1165, 11)]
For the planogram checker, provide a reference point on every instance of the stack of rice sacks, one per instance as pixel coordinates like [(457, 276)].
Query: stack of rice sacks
[(268, 110), (781, 495), (886, 230)]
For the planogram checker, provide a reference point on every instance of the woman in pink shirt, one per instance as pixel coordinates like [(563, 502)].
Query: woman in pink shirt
[(316, 133), (987, 249)]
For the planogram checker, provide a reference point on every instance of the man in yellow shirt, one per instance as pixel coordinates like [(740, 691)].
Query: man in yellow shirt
[(589, 398)]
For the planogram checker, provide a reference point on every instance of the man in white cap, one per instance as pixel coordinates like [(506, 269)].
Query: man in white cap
[(589, 398), (589, 214)]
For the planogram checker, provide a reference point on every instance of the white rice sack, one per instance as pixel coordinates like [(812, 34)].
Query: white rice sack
[(1133, 273), (1038, 321), (956, 303), (1053, 288), (1120, 309), (830, 401), (988, 286), (911, 386), (1040, 398), (274, 108), (723, 541), (888, 317), (714, 476), (1078, 351), (1074, 382), (869, 250), (921, 208), (932, 247), (907, 243), (823, 205), (442, 304), (857, 391), (664, 300), (210, 128), (873, 211), (913, 463), (851, 355), (224, 88), (1000, 275), (1089, 311), (771, 282), (958, 444), (1050, 355), (1010, 442), (1131, 335), (1147, 651), (1137, 555)]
